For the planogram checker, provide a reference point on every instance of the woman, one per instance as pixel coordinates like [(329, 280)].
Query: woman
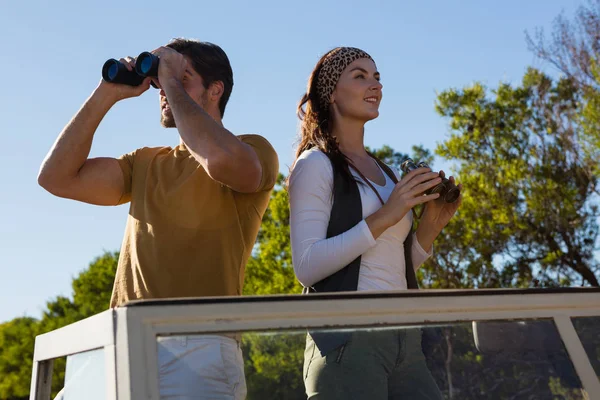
[(351, 229)]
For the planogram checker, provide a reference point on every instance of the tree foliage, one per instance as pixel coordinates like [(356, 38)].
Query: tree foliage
[(16, 357), (530, 209), (574, 49), (91, 294), (270, 270)]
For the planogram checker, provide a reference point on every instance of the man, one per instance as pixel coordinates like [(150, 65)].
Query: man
[(195, 209)]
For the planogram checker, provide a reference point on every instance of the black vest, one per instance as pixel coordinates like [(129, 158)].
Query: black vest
[(346, 212)]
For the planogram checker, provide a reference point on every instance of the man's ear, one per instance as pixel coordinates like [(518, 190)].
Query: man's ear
[(216, 90)]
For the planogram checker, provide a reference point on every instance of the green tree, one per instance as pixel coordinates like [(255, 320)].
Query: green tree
[(16, 357), (92, 288), (270, 270), (574, 49), (529, 210), (273, 363), (395, 159), (91, 294)]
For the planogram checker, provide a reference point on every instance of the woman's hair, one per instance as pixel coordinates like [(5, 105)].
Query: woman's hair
[(315, 128)]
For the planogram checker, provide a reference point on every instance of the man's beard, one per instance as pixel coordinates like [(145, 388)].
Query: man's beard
[(167, 120)]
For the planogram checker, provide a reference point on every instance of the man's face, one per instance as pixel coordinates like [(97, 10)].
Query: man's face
[(193, 85)]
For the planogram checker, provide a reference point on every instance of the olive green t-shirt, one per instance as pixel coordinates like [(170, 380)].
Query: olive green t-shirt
[(186, 234)]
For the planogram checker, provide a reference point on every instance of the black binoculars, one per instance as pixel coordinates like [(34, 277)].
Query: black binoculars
[(146, 65), (447, 190)]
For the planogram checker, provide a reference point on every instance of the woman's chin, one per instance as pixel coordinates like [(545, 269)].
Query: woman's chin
[(371, 115), (362, 115)]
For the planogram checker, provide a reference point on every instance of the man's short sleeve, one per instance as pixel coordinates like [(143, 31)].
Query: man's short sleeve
[(126, 163), (268, 160)]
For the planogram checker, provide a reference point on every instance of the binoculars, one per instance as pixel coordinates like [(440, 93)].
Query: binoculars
[(447, 190), (146, 65)]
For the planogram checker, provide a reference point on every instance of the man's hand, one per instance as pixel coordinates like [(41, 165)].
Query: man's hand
[(118, 91), (172, 65)]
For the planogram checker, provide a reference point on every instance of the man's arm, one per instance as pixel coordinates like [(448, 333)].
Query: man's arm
[(225, 158), (67, 172)]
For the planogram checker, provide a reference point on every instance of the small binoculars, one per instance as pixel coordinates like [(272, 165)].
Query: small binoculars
[(146, 65), (447, 190)]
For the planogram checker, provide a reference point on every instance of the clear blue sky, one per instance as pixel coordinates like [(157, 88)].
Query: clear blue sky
[(53, 53)]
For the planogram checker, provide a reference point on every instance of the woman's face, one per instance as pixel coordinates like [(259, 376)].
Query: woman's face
[(358, 92)]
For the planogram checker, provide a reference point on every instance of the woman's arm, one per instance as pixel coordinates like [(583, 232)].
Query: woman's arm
[(420, 251), (314, 256)]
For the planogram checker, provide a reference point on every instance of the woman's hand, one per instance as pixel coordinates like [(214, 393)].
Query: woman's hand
[(406, 194), (436, 215)]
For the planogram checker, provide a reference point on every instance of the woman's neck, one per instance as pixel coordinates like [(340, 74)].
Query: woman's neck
[(350, 136)]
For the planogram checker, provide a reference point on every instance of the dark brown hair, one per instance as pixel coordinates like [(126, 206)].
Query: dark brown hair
[(210, 62), (315, 129)]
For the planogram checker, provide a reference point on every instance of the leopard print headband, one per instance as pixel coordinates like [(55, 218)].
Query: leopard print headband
[(333, 66)]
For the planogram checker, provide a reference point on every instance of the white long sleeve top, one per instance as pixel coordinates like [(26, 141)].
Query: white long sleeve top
[(315, 257)]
